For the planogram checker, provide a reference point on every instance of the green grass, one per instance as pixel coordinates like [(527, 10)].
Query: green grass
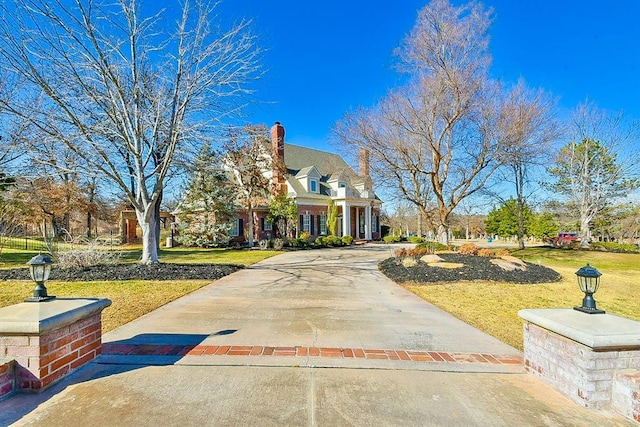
[(17, 258), (493, 307), (131, 298)]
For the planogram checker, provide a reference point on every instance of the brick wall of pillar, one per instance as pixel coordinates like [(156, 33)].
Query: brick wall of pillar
[(43, 360)]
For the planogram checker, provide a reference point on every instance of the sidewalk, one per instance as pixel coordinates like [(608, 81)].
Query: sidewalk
[(306, 338)]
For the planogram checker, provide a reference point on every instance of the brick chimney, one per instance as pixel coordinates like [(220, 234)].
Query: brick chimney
[(277, 149), (364, 162)]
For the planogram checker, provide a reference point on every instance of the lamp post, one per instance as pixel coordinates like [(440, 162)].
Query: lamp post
[(40, 267), (589, 281)]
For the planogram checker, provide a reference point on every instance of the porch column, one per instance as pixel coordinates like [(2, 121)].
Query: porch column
[(346, 219), (367, 223)]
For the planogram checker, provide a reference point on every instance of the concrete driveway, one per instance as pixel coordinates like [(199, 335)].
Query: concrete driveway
[(305, 338)]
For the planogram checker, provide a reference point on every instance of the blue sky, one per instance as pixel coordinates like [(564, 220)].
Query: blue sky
[(326, 57)]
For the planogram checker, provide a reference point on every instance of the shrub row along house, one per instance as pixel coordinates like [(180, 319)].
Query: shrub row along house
[(312, 178)]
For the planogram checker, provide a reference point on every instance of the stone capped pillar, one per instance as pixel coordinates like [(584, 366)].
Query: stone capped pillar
[(49, 340), (593, 359)]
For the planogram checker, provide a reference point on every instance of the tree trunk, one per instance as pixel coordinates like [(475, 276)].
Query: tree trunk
[(443, 234), (89, 225), (149, 225), (585, 231), (157, 225), (520, 225), (250, 227)]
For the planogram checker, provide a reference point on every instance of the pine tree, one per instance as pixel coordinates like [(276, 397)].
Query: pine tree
[(208, 207)]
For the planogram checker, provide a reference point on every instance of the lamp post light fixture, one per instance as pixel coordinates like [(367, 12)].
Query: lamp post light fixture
[(40, 267), (589, 281)]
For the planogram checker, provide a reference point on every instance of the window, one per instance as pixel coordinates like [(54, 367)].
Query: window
[(342, 185), (306, 223), (362, 223), (313, 186), (374, 223), (266, 225), (235, 228), (322, 227)]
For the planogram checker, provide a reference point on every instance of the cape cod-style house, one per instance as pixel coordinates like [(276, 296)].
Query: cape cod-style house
[(311, 178)]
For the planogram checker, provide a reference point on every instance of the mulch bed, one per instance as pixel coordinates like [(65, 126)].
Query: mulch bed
[(475, 268), (131, 271)]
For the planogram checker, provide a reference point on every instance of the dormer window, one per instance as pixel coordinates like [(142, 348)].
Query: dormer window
[(313, 186), (342, 185)]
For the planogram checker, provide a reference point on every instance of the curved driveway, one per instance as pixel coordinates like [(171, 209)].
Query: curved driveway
[(315, 337)]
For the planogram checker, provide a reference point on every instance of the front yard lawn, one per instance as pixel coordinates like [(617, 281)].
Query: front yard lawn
[(493, 306)]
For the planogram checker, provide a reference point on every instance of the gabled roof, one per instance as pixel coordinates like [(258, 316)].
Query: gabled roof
[(297, 158), (309, 171)]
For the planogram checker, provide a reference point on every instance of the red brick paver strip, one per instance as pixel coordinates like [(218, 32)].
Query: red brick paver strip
[(301, 351)]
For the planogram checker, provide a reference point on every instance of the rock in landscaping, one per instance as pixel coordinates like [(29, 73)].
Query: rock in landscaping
[(508, 265), (449, 265), (431, 259)]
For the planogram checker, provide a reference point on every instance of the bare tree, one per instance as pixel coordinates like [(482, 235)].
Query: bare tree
[(397, 159), (441, 128), (248, 161), (121, 92), (598, 166), (527, 129)]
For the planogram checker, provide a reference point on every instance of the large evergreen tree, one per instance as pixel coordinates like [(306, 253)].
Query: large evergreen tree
[(208, 206), (505, 220)]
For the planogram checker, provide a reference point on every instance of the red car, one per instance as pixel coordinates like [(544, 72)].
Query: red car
[(564, 239)]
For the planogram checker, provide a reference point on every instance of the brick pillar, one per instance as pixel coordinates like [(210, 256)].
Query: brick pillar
[(587, 357), (49, 340), (7, 377)]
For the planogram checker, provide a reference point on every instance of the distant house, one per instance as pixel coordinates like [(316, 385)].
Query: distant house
[(311, 178)]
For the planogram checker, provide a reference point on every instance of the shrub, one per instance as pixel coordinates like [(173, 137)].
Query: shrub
[(332, 240), (278, 244), (392, 239), (86, 257), (417, 252), (400, 252), (415, 239), (347, 240), (503, 252), (432, 246), (298, 242), (468, 249), (320, 241), (614, 247), (486, 252), (409, 262)]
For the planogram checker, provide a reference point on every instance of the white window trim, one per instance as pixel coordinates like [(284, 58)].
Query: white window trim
[(235, 228), (311, 185), (306, 223), (323, 223)]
